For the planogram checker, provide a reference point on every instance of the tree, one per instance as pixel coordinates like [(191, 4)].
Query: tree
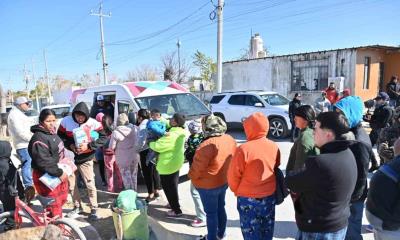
[(143, 73), (206, 65), (170, 62), (60, 83)]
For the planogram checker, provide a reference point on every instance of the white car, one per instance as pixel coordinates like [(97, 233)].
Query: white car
[(61, 111), (233, 107)]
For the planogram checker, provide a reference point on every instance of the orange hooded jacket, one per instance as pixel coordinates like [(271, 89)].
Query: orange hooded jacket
[(251, 172)]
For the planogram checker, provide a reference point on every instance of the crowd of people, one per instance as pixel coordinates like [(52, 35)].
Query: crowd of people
[(326, 173)]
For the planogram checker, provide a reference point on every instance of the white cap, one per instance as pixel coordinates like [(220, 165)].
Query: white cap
[(21, 100), (100, 98)]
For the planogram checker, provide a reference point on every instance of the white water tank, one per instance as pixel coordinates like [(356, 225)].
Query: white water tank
[(257, 47)]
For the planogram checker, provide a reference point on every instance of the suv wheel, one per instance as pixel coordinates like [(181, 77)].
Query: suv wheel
[(277, 128)]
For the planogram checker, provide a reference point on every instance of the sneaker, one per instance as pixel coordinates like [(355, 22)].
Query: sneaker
[(198, 223), (172, 213), (202, 238), (93, 215), (74, 212), (369, 228)]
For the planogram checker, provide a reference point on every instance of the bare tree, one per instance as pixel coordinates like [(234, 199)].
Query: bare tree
[(60, 83), (170, 62), (143, 73)]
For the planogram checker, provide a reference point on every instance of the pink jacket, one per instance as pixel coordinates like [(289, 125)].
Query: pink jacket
[(124, 141)]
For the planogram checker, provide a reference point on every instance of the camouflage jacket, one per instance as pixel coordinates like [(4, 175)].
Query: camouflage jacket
[(386, 140)]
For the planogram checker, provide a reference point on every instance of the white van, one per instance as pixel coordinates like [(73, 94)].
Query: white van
[(168, 97)]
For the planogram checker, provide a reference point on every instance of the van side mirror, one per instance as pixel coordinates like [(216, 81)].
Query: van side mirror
[(258, 104)]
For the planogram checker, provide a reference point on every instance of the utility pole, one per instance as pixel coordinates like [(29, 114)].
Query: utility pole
[(36, 86), (178, 44), (26, 80), (219, 45), (46, 75), (103, 49)]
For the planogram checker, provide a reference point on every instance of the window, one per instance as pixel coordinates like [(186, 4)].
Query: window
[(275, 99), (367, 62), (309, 75), (252, 100), (216, 99), (184, 103), (124, 107), (237, 100), (381, 76), (61, 112)]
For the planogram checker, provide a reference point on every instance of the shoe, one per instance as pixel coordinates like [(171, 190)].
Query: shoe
[(369, 228), (150, 199), (202, 238), (74, 212), (172, 213), (373, 168), (198, 223), (93, 215)]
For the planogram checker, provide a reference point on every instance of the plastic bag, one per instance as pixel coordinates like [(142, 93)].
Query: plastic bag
[(126, 201)]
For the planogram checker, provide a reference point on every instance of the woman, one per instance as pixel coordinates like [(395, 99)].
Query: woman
[(293, 105), (170, 160), (46, 150), (124, 142), (304, 118), (208, 173), (150, 174), (251, 177), (114, 179)]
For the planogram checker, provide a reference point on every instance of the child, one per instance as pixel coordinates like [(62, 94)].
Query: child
[(194, 140), (156, 128)]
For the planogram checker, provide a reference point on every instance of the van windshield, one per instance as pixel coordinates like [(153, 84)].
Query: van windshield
[(184, 103)]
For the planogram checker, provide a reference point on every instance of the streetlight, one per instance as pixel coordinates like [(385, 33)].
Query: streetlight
[(178, 44)]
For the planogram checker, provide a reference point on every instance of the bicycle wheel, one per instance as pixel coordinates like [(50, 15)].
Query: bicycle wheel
[(69, 229), (22, 215)]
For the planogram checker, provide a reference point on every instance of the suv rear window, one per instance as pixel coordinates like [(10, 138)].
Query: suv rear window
[(216, 99), (237, 100)]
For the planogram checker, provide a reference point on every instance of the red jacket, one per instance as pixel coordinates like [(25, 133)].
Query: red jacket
[(332, 95)]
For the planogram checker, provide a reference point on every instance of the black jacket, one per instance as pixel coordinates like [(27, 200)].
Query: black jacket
[(107, 109), (46, 149), (8, 172), (325, 188), (382, 116), (293, 105), (362, 151), (69, 123), (391, 90), (383, 199)]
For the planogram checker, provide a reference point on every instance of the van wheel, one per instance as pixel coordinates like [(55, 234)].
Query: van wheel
[(277, 128)]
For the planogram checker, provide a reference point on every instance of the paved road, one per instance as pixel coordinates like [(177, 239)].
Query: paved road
[(285, 227)]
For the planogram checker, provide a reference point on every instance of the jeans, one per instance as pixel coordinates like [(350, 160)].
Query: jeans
[(379, 233), (214, 205), (355, 221), (338, 235), (257, 217), (198, 206), (26, 169)]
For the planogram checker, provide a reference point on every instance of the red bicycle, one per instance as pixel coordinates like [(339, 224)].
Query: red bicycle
[(23, 211)]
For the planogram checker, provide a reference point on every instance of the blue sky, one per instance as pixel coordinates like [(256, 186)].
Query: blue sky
[(140, 32)]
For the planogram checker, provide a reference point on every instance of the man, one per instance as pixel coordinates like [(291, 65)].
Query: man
[(391, 89), (326, 184), (352, 108), (84, 155), (331, 93), (101, 107), (345, 93), (293, 105), (383, 202), (19, 128), (387, 137), (381, 117), (322, 104)]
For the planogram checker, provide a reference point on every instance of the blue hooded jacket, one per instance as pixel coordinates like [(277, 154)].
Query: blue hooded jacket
[(353, 108)]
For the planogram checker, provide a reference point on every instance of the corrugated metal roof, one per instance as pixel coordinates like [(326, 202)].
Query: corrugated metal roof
[(377, 46)]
